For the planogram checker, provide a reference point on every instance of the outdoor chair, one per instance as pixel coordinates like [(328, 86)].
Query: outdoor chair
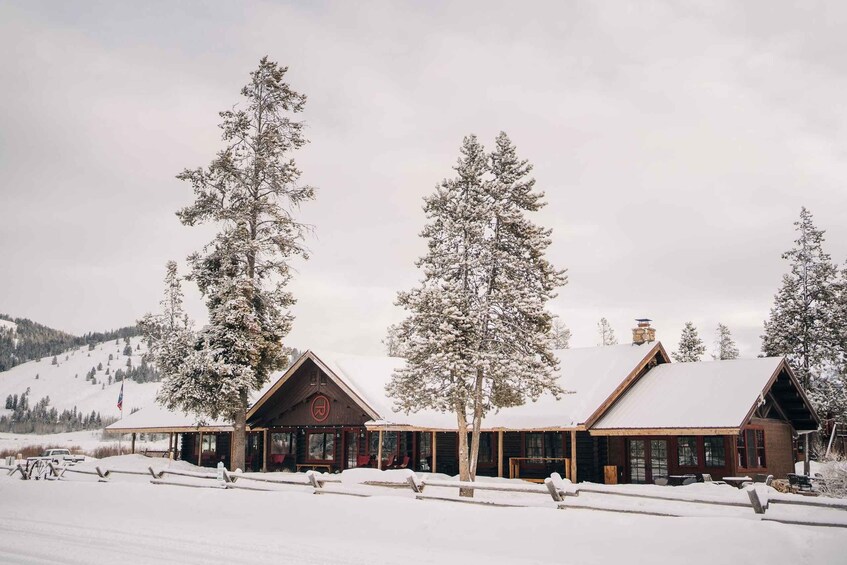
[(404, 464), (389, 462), (689, 481), (661, 481), (277, 460), (363, 461)]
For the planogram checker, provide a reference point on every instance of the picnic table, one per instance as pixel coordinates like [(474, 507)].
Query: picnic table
[(314, 467), (737, 482)]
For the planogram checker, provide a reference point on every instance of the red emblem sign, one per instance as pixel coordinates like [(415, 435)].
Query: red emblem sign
[(320, 408)]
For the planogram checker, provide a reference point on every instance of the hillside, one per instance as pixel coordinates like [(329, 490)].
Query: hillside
[(67, 387), (23, 340)]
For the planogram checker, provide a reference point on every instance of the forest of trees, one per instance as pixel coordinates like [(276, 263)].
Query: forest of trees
[(40, 418), (33, 341)]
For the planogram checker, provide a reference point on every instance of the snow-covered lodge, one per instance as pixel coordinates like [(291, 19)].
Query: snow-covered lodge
[(631, 416)]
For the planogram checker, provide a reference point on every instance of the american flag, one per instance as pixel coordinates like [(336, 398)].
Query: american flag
[(121, 398)]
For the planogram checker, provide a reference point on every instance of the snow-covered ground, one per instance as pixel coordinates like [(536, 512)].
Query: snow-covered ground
[(128, 520), (67, 387), (85, 440)]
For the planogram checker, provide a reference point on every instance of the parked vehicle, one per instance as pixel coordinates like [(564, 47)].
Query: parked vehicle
[(61, 455)]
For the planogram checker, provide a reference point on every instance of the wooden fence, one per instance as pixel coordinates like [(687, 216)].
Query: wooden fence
[(562, 492)]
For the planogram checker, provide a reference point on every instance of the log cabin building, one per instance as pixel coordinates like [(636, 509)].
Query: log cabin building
[(630, 416)]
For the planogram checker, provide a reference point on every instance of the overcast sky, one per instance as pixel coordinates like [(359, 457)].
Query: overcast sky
[(675, 142)]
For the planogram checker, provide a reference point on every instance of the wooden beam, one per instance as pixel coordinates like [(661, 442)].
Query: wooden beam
[(200, 449), (500, 453), (777, 407), (132, 449), (379, 452), (573, 457), (434, 450), (171, 445), (265, 451)]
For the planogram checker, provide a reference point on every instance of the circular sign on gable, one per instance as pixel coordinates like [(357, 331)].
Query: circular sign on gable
[(320, 408)]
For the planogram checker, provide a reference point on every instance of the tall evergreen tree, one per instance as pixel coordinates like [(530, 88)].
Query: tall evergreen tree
[(802, 325), (392, 342), (691, 347), (606, 333), (725, 347), (477, 335), (560, 335), (250, 193)]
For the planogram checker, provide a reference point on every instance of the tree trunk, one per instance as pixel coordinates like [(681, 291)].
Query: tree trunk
[(464, 466), (239, 438), (477, 423)]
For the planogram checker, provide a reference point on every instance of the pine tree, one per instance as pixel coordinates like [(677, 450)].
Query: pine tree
[(691, 347), (803, 321), (392, 342), (560, 335), (477, 335), (725, 347), (607, 334), (249, 192)]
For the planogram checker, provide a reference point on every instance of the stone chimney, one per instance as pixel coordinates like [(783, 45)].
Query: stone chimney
[(643, 333)]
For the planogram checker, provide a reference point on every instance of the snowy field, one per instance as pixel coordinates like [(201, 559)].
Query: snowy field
[(129, 520), (87, 440)]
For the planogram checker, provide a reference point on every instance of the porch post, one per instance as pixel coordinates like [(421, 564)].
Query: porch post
[(434, 450), (573, 456), (500, 453), (200, 449), (806, 469), (171, 445), (133, 443), (265, 451), (379, 452)]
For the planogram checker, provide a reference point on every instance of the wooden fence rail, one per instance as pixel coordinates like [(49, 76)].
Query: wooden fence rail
[(558, 489)]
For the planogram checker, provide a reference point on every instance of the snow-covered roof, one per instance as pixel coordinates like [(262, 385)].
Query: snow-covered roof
[(592, 373), (709, 394), (156, 417)]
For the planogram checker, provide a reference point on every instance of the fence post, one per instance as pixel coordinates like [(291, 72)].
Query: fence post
[(554, 492), (758, 507)]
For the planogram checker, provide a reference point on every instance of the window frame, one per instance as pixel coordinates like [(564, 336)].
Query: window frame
[(691, 449), (758, 449), (308, 446), (710, 451)]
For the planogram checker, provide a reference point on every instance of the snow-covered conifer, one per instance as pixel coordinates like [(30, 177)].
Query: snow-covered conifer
[(392, 342), (606, 333), (725, 347), (802, 322), (250, 193), (560, 335), (477, 335), (691, 347)]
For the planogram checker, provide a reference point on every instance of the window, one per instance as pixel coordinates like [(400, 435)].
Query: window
[(389, 443), (751, 449), (715, 451), (687, 451), (209, 443), (285, 442), (637, 461), (659, 457), (534, 446), (321, 446), (486, 454)]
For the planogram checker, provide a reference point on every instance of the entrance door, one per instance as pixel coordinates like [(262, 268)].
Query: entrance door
[(648, 459), (351, 446)]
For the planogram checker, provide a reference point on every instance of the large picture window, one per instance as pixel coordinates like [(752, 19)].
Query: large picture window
[(751, 449), (321, 446), (389, 443), (687, 451), (284, 442), (637, 461), (715, 451)]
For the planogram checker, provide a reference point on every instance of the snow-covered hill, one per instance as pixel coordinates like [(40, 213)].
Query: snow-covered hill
[(66, 385), (6, 325)]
